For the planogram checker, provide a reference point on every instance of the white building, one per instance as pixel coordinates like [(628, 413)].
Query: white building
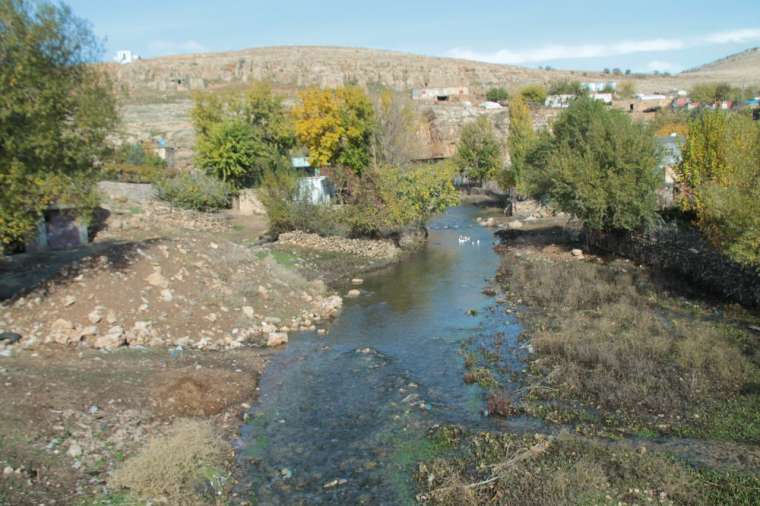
[(126, 56)]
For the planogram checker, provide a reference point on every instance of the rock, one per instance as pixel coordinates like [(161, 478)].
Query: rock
[(7, 471), (357, 281), (489, 291), (74, 451), (277, 339), (96, 315), (335, 483), (331, 306), (353, 293), (112, 340), (576, 252), (10, 337), (70, 300), (6, 353), (321, 332), (157, 279), (754, 328), (286, 473), (166, 295), (248, 312), (273, 320), (111, 317), (515, 225), (62, 331), (490, 222)]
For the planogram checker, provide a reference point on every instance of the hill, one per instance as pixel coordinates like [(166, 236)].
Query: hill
[(299, 66), (739, 69)]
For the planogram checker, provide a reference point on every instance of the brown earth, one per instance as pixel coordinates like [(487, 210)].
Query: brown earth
[(79, 397)]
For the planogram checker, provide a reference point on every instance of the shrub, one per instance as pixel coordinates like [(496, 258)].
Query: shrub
[(134, 163), (499, 94), (175, 467), (720, 175), (534, 94), (382, 202), (627, 89), (479, 152), (197, 191), (599, 166)]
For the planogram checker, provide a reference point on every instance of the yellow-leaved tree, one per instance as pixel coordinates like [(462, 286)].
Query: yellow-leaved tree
[(336, 126)]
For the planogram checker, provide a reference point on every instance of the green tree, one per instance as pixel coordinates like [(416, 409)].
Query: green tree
[(626, 90), (720, 176), (534, 94), (336, 126), (242, 135), (566, 87), (499, 95), (479, 153), (599, 166), (520, 141), (56, 112)]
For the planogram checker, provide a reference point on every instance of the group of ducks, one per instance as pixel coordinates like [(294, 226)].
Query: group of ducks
[(463, 239)]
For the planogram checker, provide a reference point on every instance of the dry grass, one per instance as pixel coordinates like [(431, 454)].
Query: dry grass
[(506, 469), (187, 466), (602, 337)]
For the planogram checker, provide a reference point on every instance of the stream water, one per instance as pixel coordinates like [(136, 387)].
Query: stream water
[(340, 417)]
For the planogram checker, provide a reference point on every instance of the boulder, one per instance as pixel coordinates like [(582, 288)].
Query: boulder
[(576, 252), (277, 339)]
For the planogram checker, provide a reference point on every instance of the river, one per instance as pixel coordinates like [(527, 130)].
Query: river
[(341, 418)]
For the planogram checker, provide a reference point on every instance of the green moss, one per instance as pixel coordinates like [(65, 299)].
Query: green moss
[(731, 420)]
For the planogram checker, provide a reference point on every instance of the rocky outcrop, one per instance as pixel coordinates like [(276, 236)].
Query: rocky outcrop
[(381, 250)]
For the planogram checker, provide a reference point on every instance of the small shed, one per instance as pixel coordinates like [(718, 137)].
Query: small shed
[(60, 227)]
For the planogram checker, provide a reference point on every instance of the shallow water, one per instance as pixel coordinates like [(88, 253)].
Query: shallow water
[(341, 417)]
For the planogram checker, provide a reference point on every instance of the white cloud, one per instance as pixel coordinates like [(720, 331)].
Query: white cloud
[(164, 47), (734, 37), (626, 47)]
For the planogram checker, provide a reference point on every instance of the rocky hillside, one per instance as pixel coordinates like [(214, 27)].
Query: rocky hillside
[(300, 66)]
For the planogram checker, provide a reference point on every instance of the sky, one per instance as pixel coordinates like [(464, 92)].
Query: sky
[(642, 36)]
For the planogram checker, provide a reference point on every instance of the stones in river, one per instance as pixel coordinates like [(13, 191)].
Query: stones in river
[(277, 339), (353, 293), (357, 281)]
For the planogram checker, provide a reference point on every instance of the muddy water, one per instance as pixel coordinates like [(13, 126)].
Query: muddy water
[(341, 418)]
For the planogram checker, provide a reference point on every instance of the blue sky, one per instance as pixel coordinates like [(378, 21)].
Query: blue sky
[(642, 35)]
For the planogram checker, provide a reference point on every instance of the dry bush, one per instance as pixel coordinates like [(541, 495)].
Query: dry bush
[(173, 468), (569, 285), (607, 343)]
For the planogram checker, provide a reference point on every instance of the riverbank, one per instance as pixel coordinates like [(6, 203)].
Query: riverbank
[(121, 352), (635, 380)]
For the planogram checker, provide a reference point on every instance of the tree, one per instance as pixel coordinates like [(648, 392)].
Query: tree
[(479, 153), (336, 126), (499, 95), (241, 135), (599, 166), (720, 176), (627, 89), (56, 112), (534, 94), (395, 140), (566, 87), (521, 139)]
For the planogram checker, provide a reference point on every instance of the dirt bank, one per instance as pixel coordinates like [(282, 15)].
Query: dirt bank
[(167, 316)]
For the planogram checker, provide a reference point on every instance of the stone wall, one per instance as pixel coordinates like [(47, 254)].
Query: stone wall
[(138, 192), (681, 251)]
